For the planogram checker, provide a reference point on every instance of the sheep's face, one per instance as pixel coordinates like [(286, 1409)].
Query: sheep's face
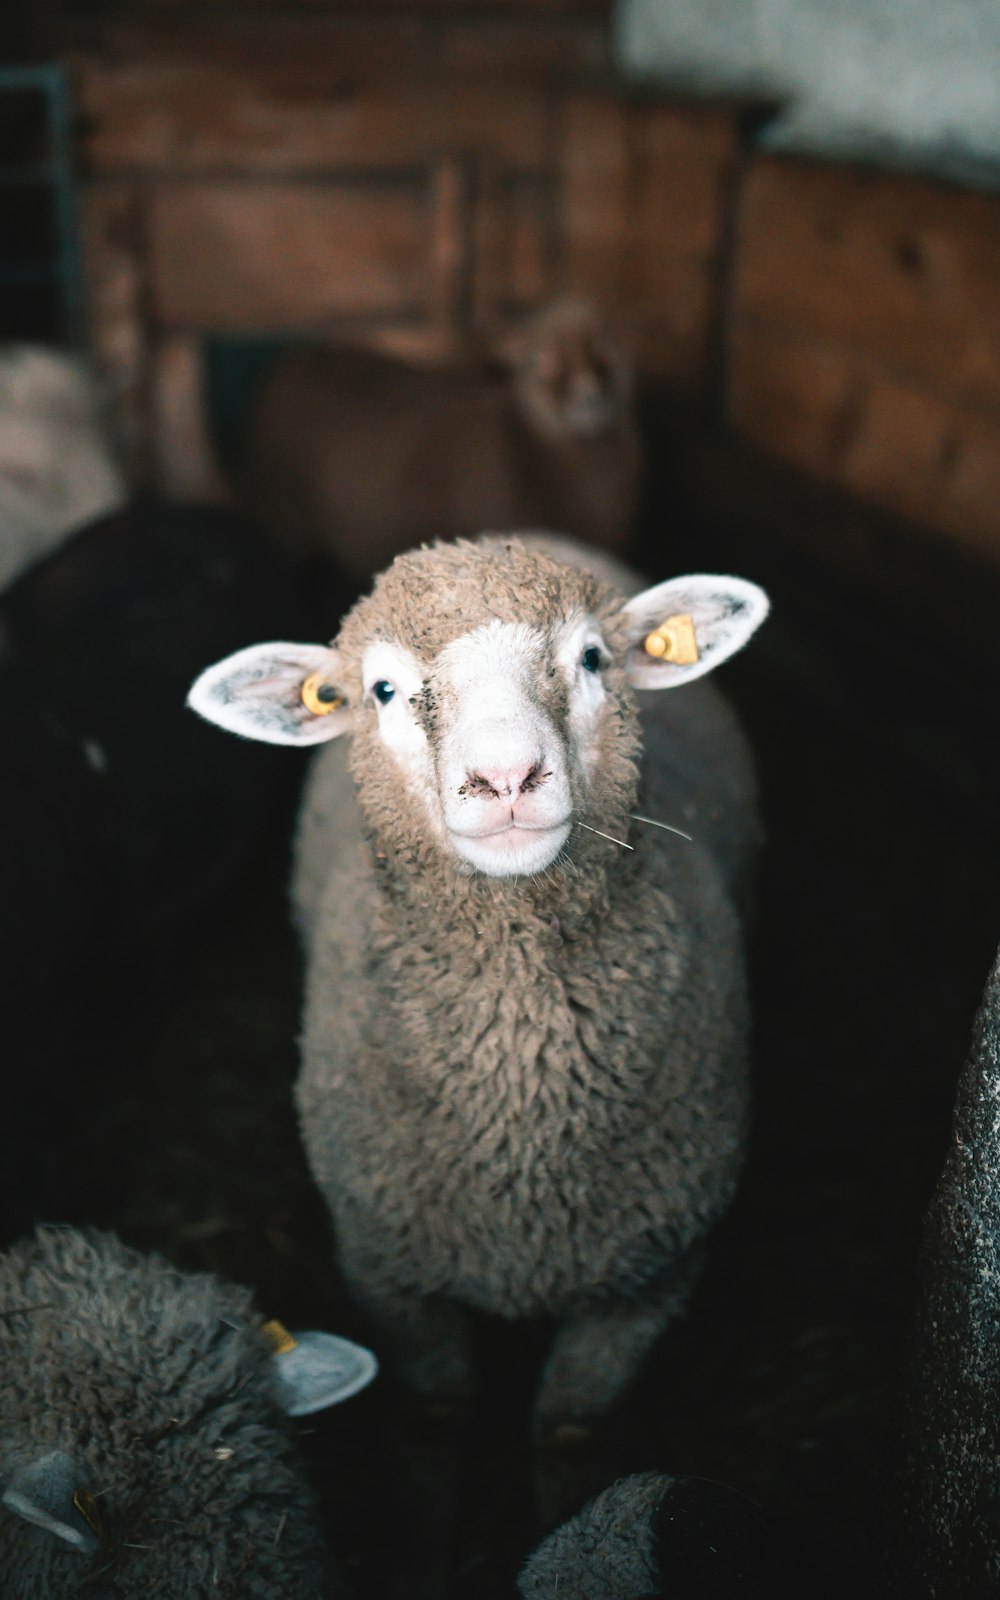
[(489, 687), (498, 735), (572, 374)]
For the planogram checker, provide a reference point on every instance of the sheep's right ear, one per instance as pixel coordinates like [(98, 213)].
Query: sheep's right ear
[(279, 693), (50, 1493), (681, 629), (314, 1370)]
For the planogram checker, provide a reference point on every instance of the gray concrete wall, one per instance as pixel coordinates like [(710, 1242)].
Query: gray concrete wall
[(908, 82)]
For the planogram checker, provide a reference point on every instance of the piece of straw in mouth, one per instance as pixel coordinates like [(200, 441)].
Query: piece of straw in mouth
[(638, 817), (606, 835)]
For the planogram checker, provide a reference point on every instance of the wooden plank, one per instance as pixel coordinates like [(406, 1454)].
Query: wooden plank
[(594, 172), (793, 396), (492, 48), (209, 102), (526, 250), (511, 245), (111, 226), (899, 270), (286, 255), (645, 192), (300, 99), (252, 8), (449, 249), (183, 465), (507, 121), (685, 158), (672, 337), (894, 442)]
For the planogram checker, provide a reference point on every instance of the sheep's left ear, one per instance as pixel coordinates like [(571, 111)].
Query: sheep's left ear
[(279, 693), (315, 1370), (681, 629)]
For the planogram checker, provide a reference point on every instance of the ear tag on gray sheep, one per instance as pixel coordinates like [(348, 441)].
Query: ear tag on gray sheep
[(673, 641), (49, 1493), (316, 1370), (319, 695)]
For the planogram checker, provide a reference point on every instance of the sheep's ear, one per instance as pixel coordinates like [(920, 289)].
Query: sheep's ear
[(50, 1492), (279, 693), (315, 1370), (685, 627)]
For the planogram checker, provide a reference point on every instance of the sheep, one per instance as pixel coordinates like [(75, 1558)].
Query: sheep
[(143, 1451), (523, 1087), (361, 454), (945, 1505), (655, 1537), (58, 468)]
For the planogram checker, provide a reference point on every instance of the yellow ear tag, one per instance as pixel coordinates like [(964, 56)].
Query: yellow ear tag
[(320, 696), (278, 1337), (87, 1507), (673, 641)]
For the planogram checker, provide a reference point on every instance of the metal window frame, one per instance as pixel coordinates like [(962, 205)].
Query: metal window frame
[(57, 172)]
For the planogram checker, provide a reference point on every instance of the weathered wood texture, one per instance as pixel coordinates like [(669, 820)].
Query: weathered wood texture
[(645, 193), (407, 176), (308, 97), (866, 339), (114, 260), (227, 256), (186, 8), (415, 173)]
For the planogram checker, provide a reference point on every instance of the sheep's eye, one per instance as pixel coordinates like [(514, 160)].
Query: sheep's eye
[(590, 661), (383, 691)]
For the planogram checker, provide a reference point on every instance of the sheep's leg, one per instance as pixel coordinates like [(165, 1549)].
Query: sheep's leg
[(425, 1346), (597, 1353)]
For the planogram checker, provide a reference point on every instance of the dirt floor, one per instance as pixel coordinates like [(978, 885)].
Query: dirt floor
[(878, 918)]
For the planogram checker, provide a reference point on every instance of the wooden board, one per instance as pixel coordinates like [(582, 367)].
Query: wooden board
[(257, 255), (901, 271), (896, 442)]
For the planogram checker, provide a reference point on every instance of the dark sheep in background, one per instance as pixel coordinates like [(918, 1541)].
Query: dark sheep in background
[(143, 1448), (363, 455)]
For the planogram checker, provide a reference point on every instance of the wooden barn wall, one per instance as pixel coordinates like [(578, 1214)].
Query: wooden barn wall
[(865, 339), (386, 179), (408, 178)]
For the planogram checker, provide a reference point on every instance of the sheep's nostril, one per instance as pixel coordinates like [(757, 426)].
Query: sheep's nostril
[(504, 783), (479, 787), (534, 777)]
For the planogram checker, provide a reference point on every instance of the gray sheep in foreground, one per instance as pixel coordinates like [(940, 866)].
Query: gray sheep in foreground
[(945, 1513), (57, 467), (524, 1076), (144, 1451), (653, 1537)]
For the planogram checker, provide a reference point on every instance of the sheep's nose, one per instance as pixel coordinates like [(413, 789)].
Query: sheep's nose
[(505, 782)]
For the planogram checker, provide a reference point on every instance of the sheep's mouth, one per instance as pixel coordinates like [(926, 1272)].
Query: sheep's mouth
[(516, 848), (508, 830)]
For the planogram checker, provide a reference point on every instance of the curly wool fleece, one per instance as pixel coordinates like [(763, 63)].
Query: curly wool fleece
[(654, 1537), (527, 1094), (945, 1538), (158, 1385)]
